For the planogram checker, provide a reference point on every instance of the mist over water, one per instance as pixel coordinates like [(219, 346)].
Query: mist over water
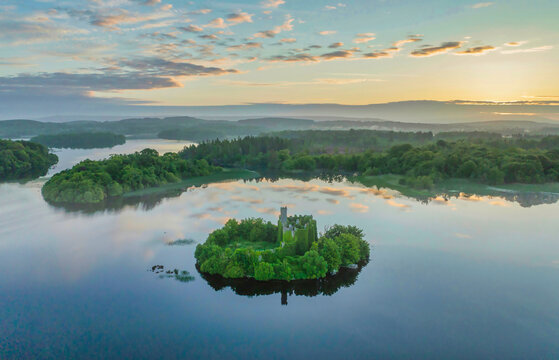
[(463, 277)]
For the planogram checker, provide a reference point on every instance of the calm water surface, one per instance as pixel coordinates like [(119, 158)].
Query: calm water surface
[(471, 277)]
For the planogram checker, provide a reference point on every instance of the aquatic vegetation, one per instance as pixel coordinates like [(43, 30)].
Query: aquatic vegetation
[(180, 242), (179, 275)]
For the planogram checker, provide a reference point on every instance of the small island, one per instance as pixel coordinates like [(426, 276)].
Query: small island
[(24, 160), (91, 182), (85, 140), (290, 250)]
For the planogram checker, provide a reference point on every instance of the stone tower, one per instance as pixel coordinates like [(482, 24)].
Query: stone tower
[(283, 216)]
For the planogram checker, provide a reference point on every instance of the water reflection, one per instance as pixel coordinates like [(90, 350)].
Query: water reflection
[(149, 202), (523, 198), (179, 275), (328, 285)]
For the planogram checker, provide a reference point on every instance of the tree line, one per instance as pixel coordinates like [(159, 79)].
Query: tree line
[(24, 159), (94, 181), (84, 140), (421, 166)]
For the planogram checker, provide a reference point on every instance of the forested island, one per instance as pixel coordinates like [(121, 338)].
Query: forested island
[(95, 181), (24, 159), (290, 250), (490, 161), (84, 140)]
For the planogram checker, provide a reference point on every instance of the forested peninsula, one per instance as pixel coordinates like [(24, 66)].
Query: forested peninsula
[(85, 140), (490, 161), (24, 159), (95, 181), (290, 250)]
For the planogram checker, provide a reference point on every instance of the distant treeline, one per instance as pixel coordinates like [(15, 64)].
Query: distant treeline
[(421, 166), (318, 141), (94, 181), (86, 140), (24, 159), (194, 129), (209, 130)]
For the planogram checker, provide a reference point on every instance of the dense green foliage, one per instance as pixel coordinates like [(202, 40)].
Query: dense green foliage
[(94, 181), (235, 251), (87, 140), (488, 161), (24, 159)]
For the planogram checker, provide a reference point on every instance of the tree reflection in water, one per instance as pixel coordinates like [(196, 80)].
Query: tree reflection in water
[(328, 285)]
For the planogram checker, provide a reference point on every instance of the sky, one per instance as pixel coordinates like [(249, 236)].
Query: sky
[(202, 53)]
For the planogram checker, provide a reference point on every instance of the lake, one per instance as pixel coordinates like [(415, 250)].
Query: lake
[(462, 277)]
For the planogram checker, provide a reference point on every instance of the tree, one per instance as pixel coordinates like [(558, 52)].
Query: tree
[(264, 271), (314, 265), (330, 251), (350, 248)]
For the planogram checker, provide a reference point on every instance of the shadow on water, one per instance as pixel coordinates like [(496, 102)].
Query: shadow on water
[(328, 285)]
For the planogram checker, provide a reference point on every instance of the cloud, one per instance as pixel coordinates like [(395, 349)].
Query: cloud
[(286, 26), (217, 23), (529, 50), (148, 2), (112, 18), (270, 211), (293, 58), (364, 38), (515, 43), (272, 3), (334, 7), (478, 50), (337, 55), (327, 32), (288, 40), (360, 208), (377, 55), (163, 67), (239, 18), (208, 37), (396, 204), (482, 5), (66, 83), (245, 46), (434, 50), (191, 28), (200, 12), (400, 43), (27, 32), (336, 45)]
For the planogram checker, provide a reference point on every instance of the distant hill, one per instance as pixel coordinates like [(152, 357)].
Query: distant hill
[(279, 123), (196, 129)]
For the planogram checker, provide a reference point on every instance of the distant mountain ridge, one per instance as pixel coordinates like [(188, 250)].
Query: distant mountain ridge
[(418, 111), (196, 129)]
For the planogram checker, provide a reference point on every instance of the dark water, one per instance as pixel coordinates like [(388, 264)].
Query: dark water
[(473, 277)]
